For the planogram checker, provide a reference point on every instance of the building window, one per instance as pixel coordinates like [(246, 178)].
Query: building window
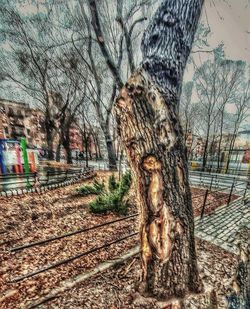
[(11, 112)]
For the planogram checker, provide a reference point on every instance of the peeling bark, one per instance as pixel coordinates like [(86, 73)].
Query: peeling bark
[(150, 130)]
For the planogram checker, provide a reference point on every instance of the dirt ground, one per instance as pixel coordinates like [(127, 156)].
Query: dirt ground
[(24, 219)]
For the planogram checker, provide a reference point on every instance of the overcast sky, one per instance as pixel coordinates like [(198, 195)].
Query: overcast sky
[(229, 22)]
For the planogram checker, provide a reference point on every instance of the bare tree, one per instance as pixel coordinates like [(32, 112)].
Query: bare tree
[(29, 65), (216, 81), (87, 129), (103, 39), (189, 115), (242, 105), (48, 75), (100, 88), (106, 30)]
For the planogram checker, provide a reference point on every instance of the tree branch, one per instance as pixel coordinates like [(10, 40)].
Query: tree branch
[(137, 21), (101, 42)]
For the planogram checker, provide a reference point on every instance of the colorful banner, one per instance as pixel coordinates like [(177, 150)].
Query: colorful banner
[(25, 155)]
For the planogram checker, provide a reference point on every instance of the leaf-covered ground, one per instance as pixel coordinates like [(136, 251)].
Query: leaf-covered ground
[(116, 288), (32, 217)]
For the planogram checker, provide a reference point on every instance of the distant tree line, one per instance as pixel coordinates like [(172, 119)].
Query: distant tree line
[(214, 105)]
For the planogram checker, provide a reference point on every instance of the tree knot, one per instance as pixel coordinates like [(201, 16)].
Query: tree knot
[(151, 164)]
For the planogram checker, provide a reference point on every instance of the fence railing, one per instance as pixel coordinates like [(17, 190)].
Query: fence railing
[(238, 173), (21, 183), (235, 190), (215, 181), (209, 180), (229, 171)]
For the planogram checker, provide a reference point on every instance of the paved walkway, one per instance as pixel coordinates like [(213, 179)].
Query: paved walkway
[(221, 226)]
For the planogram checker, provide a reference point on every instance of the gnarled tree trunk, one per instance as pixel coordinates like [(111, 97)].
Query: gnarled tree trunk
[(65, 140), (110, 150), (149, 126), (152, 135), (58, 152)]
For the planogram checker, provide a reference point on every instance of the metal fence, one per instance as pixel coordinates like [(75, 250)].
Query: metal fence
[(215, 181), (15, 184), (230, 171), (196, 178), (235, 191)]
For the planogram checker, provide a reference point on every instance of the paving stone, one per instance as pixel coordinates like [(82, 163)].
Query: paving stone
[(221, 226)]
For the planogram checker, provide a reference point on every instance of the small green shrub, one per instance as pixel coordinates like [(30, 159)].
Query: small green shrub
[(99, 186), (113, 185), (96, 188), (114, 199), (125, 183), (109, 202)]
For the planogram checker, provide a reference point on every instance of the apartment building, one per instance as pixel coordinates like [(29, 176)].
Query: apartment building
[(18, 120)]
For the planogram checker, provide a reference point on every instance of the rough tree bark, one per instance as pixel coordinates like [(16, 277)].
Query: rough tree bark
[(240, 296), (49, 139), (65, 141), (149, 126), (66, 146)]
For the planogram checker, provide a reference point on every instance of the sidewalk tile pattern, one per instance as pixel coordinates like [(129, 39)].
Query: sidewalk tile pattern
[(221, 227)]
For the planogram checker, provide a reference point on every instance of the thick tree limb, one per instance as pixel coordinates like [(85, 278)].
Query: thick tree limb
[(167, 43), (101, 42), (128, 41)]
